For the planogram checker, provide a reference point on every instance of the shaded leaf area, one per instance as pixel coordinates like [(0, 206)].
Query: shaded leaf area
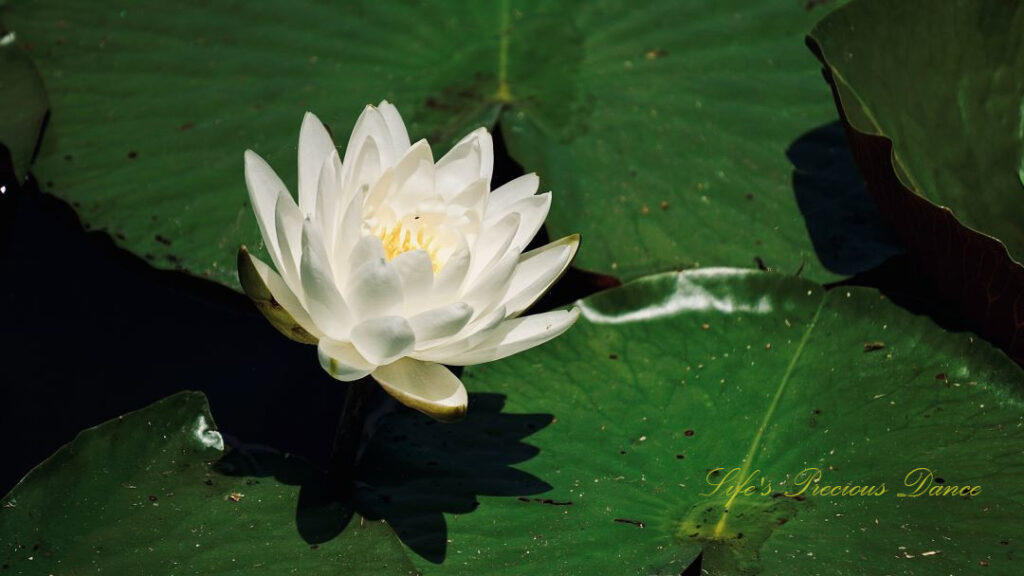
[(670, 377), (413, 473), (92, 332), (661, 131), (842, 217), (931, 98), (23, 101), (140, 495)]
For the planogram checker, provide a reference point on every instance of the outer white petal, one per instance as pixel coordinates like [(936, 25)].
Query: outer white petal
[(288, 222), (396, 127), (516, 335), (374, 290), (326, 306), (342, 361), (469, 160), (417, 274), (424, 386), (537, 271), (384, 339), (275, 299), (505, 196), (264, 189), (315, 146), (440, 323)]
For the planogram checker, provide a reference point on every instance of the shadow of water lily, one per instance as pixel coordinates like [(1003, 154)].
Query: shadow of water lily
[(844, 224), (413, 472)]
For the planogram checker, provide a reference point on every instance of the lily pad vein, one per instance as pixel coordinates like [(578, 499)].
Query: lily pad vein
[(749, 458)]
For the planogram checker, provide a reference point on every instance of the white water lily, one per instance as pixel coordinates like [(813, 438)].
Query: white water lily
[(394, 265)]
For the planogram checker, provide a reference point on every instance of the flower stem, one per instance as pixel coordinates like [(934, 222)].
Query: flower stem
[(348, 437)]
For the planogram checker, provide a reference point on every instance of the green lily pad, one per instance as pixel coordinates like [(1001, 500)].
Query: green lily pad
[(662, 131), (142, 495), (670, 377), (933, 97), (23, 100)]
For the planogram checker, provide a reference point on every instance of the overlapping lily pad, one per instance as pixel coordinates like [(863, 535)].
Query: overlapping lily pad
[(662, 130), (933, 96), (141, 495), (672, 376)]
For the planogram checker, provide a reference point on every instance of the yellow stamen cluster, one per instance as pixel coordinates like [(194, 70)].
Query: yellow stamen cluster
[(398, 239)]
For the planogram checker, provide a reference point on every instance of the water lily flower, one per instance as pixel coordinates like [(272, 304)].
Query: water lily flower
[(395, 265)]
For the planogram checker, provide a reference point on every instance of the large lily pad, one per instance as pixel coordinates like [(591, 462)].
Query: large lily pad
[(662, 130), (933, 98), (141, 495), (672, 376)]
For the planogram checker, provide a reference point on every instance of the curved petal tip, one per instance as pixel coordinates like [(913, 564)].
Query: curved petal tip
[(254, 277), (424, 386)]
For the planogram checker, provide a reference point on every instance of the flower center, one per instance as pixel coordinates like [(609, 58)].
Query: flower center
[(398, 239)]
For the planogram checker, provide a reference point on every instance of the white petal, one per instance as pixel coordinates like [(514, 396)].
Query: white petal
[(417, 274), (472, 334), (264, 189), (328, 199), (439, 323), (504, 197), (350, 230), (414, 176), (315, 146), (480, 293), (471, 201), (326, 306), (396, 127), (493, 242), (275, 299), (374, 290), (288, 222), (364, 171), (342, 361), (533, 211), (537, 271), (514, 336), (450, 279), (377, 196), (369, 248), (470, 160), (424, 386), (384, 339), (370, 125)]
